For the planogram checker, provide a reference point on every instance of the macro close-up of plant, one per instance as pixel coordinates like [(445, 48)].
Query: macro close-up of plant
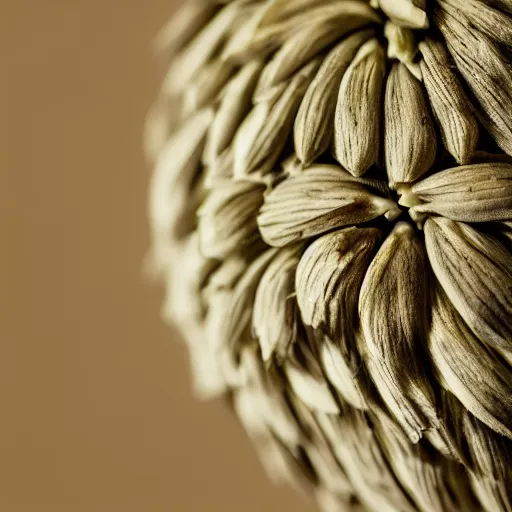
[(331, 215)]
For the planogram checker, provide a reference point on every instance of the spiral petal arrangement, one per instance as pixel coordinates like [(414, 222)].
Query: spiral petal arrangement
[(331, 211)]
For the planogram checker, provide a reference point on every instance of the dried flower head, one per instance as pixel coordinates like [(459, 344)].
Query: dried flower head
[(331, 211)]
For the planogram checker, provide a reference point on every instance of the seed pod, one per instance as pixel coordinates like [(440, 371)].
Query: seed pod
[(410, 140), (320, 199), (394, 330), (227, 218), (469, 370), (275, 308), (470, 193), (474, 271), (171, 185), (452, 109), (314, 123), (234, 106), (357, 129), (262, 136), (481, 64)]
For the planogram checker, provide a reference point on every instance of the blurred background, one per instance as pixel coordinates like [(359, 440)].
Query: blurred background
[(96, 408)]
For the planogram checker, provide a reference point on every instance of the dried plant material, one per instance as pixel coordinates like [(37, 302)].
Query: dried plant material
[(171, 185), (469, 193), (227, 218), (357, 123), (234, 106), (323, 197), (421, 474), (304, 45), (275, 308), (474, 271), (394, 330), (479, 379), (332, 265), (452, 109), (341, 375), (201, 49), (410, 140), (312, 391), (220, 170), (406, 13), (482, 17), (355, 446), (190, 17), (359, 326), (401, 43), (314, 123), (262, 136), (483, 67), (491, 457), (206, 85)]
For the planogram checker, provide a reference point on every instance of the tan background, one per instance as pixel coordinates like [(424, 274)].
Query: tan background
[(96, 412)]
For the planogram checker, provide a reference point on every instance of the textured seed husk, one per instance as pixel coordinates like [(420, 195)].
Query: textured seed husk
[(314, 122), (270, 36), (314, 392), (304, 45), (262, 136), (422, 474), (410, 140), (322, 198), (275, 307), (480, 380), (450, 104), (491, 456), (393, 313), (205, 85), (201, 49), (227, 218), (171, 184), (481, 64), (329, 270), (401, 43), (234, 106), (470, 193), (474, 271), (357, 125), (406, 13), (220, 170), (355, 446), (482, 17)]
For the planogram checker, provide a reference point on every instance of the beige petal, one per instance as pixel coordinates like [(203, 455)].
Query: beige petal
[(470, 193), (393, 310), (265, 131), (410, 138), (480, 380), (474, 271), (275, 308), (357, 125), (451, 106), (227, 218), (322, 198), (314, 122)]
